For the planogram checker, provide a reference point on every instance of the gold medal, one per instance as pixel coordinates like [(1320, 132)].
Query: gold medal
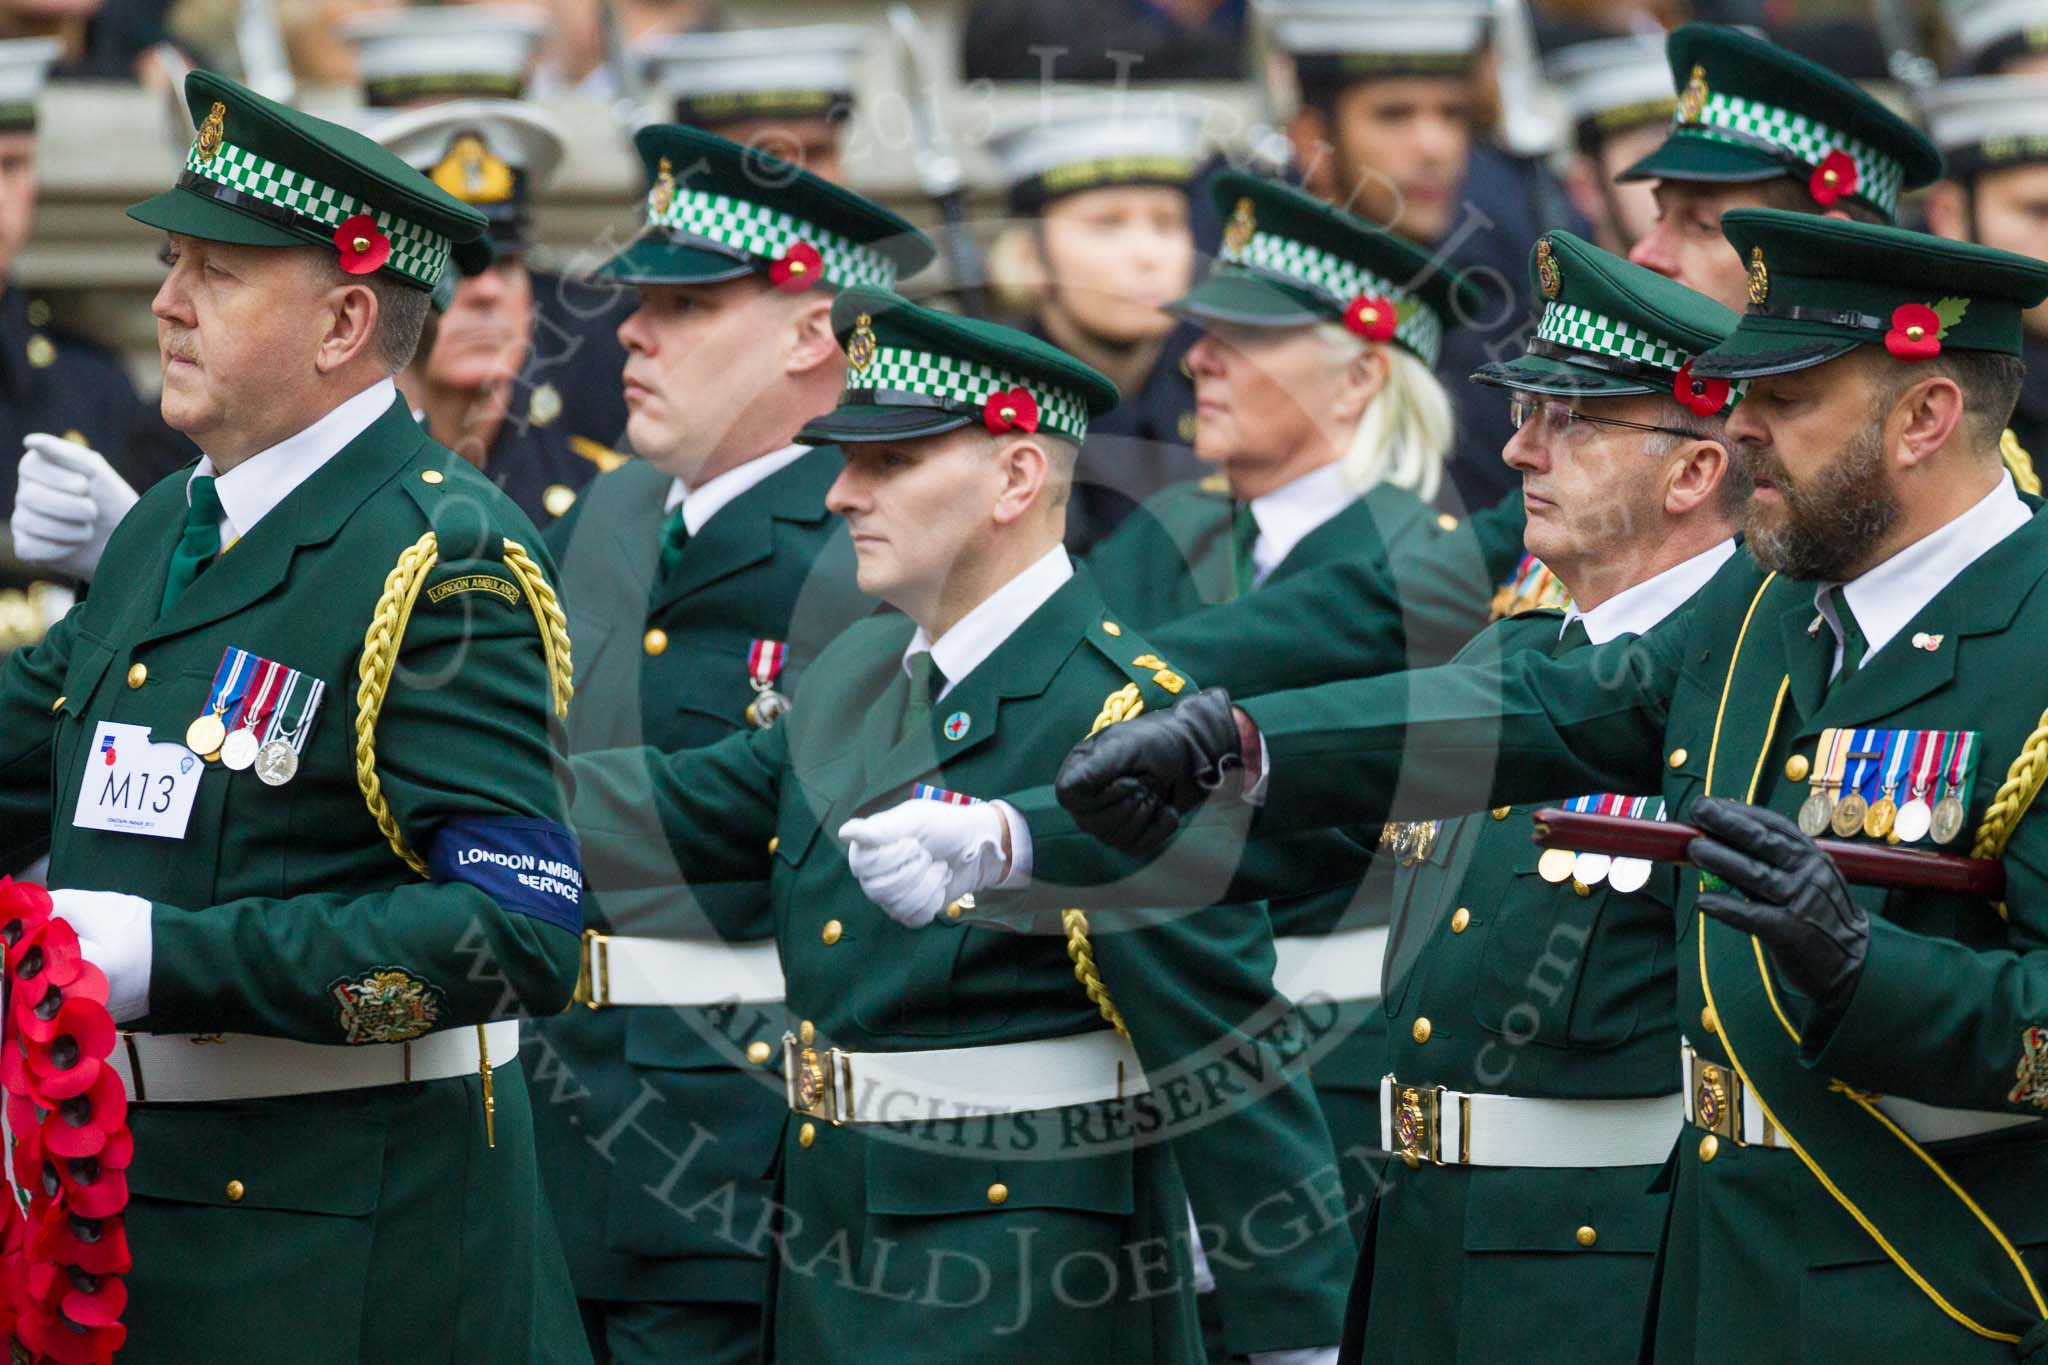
[(1848, 817), (1819, 806), (238, 750), (1948, 820), (1555, 866), (205, 735), (1879, 819)]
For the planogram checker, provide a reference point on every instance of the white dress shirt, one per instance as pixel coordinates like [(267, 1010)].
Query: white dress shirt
[(699, 504), (1288, 513), (1635, 610), (250, 490), (1885, 598), (979, 633)]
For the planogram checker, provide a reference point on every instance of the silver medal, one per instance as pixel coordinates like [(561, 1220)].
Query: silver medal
[(1630, 875), (276, 763), (1592, 868), (238, 750)]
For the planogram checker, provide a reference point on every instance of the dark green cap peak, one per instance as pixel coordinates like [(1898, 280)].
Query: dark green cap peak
[(1750, 110), (263, 174), (1610, 328), (717, 211), (913, 371), (1820, 287), (1290, 260)]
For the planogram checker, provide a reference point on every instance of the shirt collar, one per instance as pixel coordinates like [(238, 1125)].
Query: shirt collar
[(699, 504), (982, 631), (1288, 513), (1634, 610), (1892, 594), (250, 490)]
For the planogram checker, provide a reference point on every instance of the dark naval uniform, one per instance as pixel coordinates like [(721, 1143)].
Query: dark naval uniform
[(544, 465), (2030, 417), (771, 565), (576, 354), (1139, 448)]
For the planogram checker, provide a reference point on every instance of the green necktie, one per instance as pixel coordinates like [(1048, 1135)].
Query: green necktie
[(199, 542), (925, 684), (1574, 637), (1854, 646), (674, 535), (1244, 533)]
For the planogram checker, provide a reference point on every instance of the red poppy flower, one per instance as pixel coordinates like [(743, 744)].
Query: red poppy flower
[(98, 1246), (1010, 410), (1834, 179), (90, 1189), (80, 1125), (1915, 333), (1701, 397), (1373, 317), (797, 269), (363, 248)]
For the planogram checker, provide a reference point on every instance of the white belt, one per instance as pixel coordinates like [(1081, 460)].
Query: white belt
[(676, 971), (1002, 1078), (1718, 1101), (173, 1068), (1340, 966), (1451, 1128)]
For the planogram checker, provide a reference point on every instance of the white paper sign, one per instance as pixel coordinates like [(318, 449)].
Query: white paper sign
[(132, 786)]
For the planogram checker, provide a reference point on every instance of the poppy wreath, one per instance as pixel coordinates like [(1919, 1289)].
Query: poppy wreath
[(64, 1255)]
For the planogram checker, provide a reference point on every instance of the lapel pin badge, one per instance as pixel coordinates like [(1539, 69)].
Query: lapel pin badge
[(1930, 643), (956, 726)]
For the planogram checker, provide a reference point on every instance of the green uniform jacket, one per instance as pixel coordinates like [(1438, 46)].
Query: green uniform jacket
[(1501, 982), (771, 564), (376, 1223), (1761, 1261), (891, 1234)]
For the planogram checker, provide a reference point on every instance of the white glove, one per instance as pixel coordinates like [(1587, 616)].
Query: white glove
[(114, 934), (1313, 1355), (915, 859), (67, 501)]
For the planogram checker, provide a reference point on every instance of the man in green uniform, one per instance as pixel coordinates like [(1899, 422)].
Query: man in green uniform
[(1529, 1000), (1863, 1069), (700, 583), (331, 656), (983, 1158)]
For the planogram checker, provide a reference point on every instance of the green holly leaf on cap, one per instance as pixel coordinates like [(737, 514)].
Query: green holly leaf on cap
[(1950, 311)]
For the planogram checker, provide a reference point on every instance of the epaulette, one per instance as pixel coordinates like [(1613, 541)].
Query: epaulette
[(1155, 685), (603, 456)]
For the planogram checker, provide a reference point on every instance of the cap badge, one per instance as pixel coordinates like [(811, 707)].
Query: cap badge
[(664, 192), (1548, 277), (1694, 101), (212, 131), (1237, 234), (860, 347), (1759, 278), (472, 174), (545, 406)]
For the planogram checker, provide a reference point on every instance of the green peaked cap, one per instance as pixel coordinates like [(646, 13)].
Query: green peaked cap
[(1611, 328), (718, 211), (914, 371), (1820, 287), (262, 174), (1749, 110), (1290, 260)]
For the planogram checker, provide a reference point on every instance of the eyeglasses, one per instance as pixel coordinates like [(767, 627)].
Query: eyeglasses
[(1558, 420)]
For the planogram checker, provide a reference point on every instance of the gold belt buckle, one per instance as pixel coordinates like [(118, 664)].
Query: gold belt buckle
[(1717, 1099), (594, 974), (1418, 1135), (815, 1081)]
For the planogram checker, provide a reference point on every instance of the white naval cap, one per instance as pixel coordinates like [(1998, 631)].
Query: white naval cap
[(723, 76), (490, 154), (1073, 141), (24, 65), (1982, 123), (1339, 41), (1611, 84), (1987, 32), (407, 56)]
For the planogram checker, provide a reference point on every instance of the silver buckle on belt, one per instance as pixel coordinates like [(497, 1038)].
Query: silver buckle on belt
[(1418, 1125), (818, 1084)]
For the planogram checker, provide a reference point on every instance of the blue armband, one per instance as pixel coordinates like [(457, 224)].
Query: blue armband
[(530, 867)]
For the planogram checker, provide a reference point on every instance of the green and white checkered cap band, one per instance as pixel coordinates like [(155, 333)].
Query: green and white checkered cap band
[(1060, 411), (1582, 329), (1879, 178), (1420, 329), (416, 252), (741, 225)]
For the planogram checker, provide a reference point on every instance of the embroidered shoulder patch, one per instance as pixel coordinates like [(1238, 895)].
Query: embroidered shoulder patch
[(386, 1005), (2032, 1084), (475, 582)]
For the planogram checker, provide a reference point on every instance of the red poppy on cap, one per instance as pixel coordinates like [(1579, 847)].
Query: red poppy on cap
[(1372, 316), (1833, 179), (1915, 333), (363, 247), (1701, 397), (797, 269), (1010, 410)]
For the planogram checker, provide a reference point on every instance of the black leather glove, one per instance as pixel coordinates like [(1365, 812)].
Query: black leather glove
[(1793, 899), (1129, 784)]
